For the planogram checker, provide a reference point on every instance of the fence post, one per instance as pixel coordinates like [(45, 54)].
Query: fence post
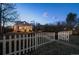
[(10, 44), (64, 35), (15, 44), (19, 44), (58, 35), (35, 40), (23, 44), (44, 40), (68, 36), (39, 38), (27, 43), (43, 37), (30, 42), (61, 35), (4, 45), (54, 35)]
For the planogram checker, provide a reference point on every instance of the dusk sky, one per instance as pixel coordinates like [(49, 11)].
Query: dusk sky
[(45, 12)]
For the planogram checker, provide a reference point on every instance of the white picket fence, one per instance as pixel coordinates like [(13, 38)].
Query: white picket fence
[(64, 35), (24, 43)]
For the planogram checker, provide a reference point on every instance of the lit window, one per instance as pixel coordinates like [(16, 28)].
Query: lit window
[(20, 27)]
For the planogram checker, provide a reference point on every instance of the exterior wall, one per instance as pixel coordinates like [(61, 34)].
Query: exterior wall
[(15, 28), (21, 28), (29, 28)]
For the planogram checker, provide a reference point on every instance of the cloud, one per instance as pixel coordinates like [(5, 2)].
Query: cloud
[(49, 17), (45, 14), (53, 17)]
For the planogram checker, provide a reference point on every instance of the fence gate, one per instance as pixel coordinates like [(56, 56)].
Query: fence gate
[(64, 35)]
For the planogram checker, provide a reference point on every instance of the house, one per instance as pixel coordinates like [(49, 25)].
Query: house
[(22, 27)]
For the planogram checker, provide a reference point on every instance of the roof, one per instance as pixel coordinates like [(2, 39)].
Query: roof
[(23, 23)]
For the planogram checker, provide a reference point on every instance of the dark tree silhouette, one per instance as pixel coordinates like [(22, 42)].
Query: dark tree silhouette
[(71, 19), (7, 14), (78, 20)]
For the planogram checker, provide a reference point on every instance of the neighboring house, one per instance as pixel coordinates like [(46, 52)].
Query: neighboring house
[(22, 27)]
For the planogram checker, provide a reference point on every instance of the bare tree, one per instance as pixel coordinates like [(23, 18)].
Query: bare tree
[(7, 14), (0, 17)]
